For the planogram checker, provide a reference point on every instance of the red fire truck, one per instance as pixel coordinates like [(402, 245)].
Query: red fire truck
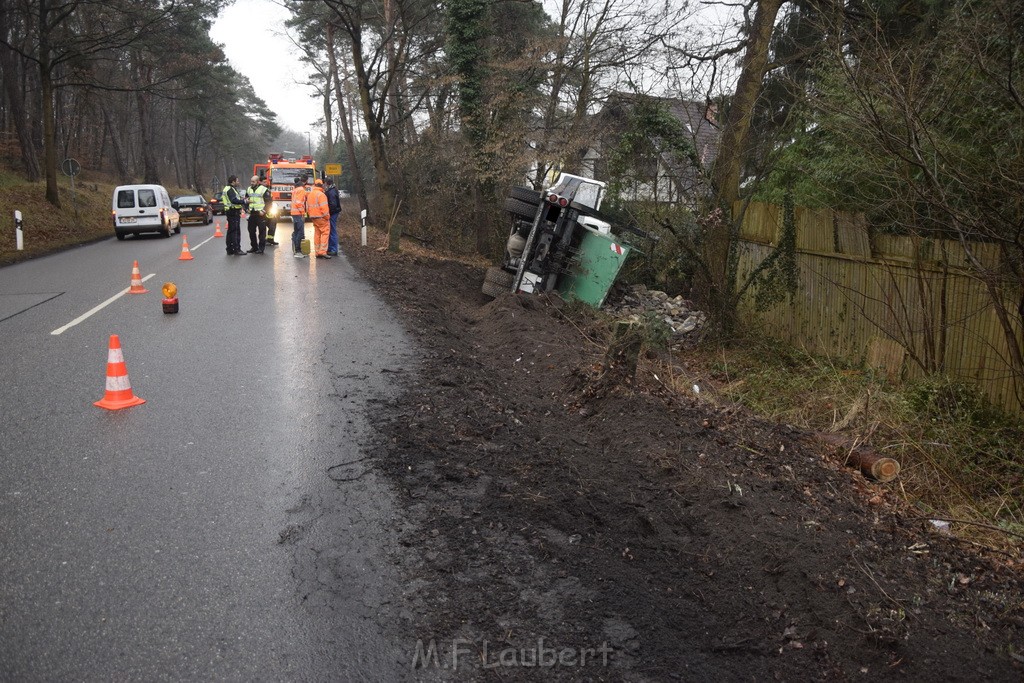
[(282, 173)]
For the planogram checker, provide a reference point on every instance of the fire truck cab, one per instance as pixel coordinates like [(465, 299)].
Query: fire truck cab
[(282, 173)]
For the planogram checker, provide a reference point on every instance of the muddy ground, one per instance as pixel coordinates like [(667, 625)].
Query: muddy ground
[(548, 497)]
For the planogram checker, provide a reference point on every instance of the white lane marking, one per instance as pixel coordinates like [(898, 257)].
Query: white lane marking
[(97, 309), (191, 248)]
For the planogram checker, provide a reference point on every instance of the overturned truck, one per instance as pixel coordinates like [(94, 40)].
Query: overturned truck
[(558, 241)]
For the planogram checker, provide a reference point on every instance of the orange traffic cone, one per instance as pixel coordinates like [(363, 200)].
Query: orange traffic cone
[(136, 287), (119, 389), (217, 232), (186, 255)]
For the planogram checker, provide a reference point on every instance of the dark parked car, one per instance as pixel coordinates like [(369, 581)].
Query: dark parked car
[(216, 206), (193, 209)]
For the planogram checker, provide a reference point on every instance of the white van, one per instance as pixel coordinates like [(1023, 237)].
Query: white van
[(143, 208)]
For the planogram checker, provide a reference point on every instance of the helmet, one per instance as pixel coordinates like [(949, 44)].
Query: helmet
[(318, 182)]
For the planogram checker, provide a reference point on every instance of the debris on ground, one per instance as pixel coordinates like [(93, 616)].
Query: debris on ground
[(694, 541), (638, 302)]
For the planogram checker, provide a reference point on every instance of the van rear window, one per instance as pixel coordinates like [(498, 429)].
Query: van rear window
[(147, 198), (126, 199)]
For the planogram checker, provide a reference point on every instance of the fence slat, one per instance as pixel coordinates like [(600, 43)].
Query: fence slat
[(912, 308)]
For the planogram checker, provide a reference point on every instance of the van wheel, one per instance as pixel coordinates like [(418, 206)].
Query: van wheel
[(120, 236), (177, 229), (165, 233)]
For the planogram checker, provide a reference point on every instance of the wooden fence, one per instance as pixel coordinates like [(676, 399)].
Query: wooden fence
[(906, 305)]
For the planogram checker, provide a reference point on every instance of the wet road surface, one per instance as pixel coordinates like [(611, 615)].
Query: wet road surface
[(228, 528)]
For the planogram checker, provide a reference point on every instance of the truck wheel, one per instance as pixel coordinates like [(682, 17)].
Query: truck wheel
[(120, 236), (518, 207), (525, 194), (497, 282)]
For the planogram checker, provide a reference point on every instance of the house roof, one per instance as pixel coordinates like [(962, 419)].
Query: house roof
[(698, 119)]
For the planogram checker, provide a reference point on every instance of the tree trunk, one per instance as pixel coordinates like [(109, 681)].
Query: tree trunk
[(728, 164), (150, 175), (346, 129), (18, 115), (196, 182), (392, 94), (375, 135), (49, 133), (115, 143), (175, 156), (328, 123), (46, 92)]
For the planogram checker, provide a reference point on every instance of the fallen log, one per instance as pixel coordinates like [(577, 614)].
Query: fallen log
[(871, 464), (878, 467)]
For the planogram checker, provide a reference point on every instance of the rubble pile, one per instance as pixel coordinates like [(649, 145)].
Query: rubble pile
[(677, 313)]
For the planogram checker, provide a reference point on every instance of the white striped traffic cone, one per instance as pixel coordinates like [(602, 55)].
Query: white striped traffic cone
[(119, 390), (136, 287), (186, 255)]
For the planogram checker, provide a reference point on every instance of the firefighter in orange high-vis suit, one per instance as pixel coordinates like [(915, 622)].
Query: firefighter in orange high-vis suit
[(298, 211), (319, 212)]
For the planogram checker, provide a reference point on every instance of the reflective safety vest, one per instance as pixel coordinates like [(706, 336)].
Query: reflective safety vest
[(299, 200), (316, 204), (256, 201), (226, 201)]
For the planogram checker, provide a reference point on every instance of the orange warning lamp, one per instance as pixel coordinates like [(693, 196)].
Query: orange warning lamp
[(170, 302)]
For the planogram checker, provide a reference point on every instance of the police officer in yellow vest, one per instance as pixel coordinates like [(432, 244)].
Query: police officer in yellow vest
[(256, 196), (233, 210)]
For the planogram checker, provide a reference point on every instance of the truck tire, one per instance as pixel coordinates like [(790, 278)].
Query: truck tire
[(517, 207), (497, 282), (525, 194)]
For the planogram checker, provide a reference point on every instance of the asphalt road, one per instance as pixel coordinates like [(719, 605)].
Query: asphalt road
[(215, 532)]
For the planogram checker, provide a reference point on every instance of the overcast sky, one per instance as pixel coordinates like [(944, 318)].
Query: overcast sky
[(259, 50)]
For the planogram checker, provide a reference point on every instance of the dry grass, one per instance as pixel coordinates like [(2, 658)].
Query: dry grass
[(79, 220), (960, 458)]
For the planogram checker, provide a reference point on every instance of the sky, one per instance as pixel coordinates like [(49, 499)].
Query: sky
[(260, 51)]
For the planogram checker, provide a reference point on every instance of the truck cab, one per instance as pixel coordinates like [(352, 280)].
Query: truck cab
[(558, 240), (282, 173)]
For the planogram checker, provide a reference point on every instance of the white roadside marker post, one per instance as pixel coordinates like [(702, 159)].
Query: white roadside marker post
[(362, 230), (19, 234)]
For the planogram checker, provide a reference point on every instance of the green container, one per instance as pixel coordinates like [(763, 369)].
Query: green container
[(600, 258)]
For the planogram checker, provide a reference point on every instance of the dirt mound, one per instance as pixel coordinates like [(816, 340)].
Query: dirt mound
[(550, 500)]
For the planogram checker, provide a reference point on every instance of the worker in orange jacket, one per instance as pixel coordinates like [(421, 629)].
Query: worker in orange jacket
[(318, 210), (298, 213)]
